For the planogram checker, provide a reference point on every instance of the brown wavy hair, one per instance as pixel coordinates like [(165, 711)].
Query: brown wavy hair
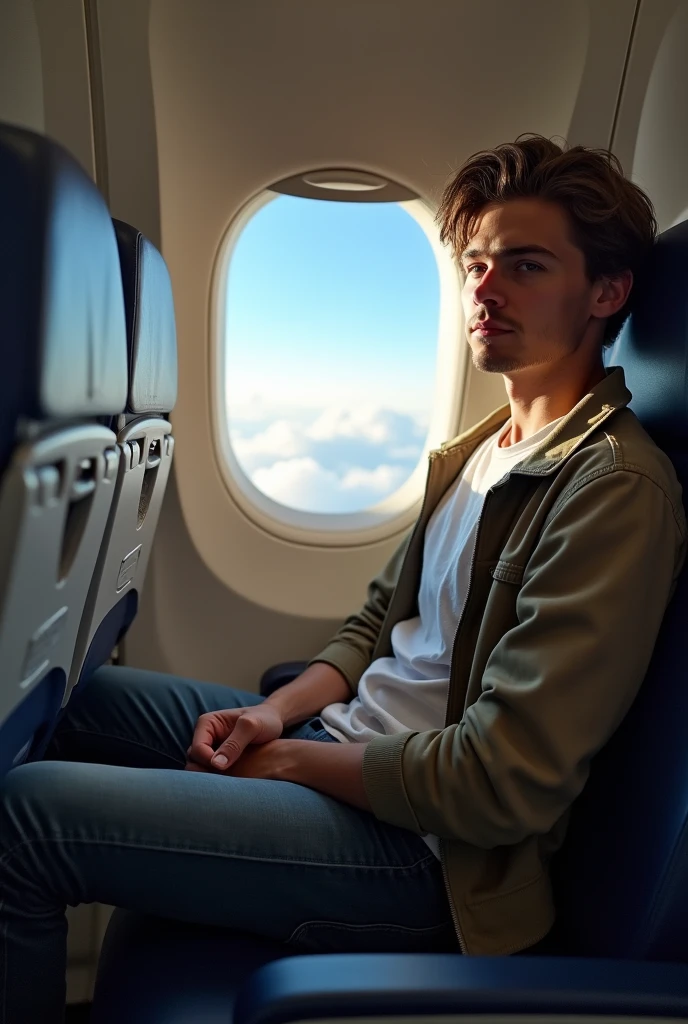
[(613, 221)]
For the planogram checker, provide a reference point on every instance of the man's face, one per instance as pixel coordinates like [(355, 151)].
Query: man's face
[(543, 298)]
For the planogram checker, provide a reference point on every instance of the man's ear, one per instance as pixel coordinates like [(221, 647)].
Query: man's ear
[(611, 293)]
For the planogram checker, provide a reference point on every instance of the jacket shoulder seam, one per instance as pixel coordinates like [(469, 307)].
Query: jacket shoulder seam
[(634, 467), (617, 466), (617, 457)]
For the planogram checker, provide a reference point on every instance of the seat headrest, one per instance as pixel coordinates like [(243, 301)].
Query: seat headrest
[(151, 332), (63, 337), (653, 345)]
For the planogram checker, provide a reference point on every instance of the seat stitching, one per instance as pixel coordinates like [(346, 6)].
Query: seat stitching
[(369, 926)]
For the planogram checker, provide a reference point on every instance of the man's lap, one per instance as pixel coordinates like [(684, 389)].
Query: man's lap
[(136, 718), (273, 857)]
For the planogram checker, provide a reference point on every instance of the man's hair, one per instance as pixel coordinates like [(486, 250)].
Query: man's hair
[(612, 219)]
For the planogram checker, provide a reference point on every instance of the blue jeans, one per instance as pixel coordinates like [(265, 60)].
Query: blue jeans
[(109, 816)]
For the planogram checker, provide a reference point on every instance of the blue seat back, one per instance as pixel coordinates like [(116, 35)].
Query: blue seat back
[(145, 445), (622, 877), (63, 358)]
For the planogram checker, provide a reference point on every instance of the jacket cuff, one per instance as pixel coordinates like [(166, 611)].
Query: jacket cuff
[(346, 659), (383, 781)]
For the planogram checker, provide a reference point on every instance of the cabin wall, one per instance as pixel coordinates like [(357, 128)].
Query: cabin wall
[(243, 96), (660, 151), (21, 73)]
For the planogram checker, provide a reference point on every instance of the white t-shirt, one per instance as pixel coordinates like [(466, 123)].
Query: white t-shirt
[(409, 690)]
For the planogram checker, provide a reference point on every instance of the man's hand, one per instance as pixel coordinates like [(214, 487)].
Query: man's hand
[(233, 730), (258, 761), (332, 768)]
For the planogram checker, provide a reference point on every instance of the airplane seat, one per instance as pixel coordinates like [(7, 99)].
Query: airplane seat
[(280, 675), (63, 353), (620, 881), (145, 442), (622, 876)]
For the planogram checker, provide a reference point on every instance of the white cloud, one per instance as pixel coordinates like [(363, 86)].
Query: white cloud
[(286, 392), (303, 483), (410, 451), (375, 424), (281, 438), (340, 460), (382, 480), (298, 483), (289, 438)]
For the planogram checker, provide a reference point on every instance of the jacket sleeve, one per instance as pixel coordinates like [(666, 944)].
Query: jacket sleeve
[(556, 686), (350, 649)]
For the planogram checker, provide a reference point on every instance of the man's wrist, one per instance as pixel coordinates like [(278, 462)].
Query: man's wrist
[(276, 706), (318, 686), (284, 767), (332, 768)]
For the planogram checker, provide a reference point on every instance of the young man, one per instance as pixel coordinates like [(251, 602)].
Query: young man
[(497, 652)]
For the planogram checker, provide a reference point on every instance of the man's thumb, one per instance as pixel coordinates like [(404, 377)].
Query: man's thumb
[(245, 730)]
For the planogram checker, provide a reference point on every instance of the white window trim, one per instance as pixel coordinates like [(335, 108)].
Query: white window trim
[(397, 512)]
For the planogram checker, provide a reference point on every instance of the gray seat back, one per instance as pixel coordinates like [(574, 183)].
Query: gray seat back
[(145, 442), (63, 353)]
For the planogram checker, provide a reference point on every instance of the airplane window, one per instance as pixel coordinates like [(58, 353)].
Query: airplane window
[(331, 335)]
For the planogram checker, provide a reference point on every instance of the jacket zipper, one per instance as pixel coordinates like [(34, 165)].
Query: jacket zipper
[(442, 452), (457, 926), (455, 919), (431, 456)]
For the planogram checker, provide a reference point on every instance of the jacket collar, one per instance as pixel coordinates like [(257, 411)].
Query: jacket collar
[(593, 409)]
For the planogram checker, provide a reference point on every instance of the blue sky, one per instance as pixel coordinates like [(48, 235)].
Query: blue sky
[(331, 335)]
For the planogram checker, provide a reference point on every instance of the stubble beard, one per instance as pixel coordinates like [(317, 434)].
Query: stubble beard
[(493, 362)]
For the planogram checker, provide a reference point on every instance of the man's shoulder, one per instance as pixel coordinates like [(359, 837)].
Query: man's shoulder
[(622, 444)]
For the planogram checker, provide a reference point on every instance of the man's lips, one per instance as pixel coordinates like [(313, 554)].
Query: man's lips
[(488, 331)]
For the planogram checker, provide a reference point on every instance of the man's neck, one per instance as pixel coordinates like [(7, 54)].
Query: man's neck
[(545, 394)]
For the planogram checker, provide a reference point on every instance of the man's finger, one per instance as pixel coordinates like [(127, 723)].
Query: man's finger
[(204, 739), (245, 731)]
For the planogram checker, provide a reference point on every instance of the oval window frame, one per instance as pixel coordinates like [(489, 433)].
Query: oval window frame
[(395, 513)]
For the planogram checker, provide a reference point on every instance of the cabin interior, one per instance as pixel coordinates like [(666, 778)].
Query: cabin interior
[(197, 119)]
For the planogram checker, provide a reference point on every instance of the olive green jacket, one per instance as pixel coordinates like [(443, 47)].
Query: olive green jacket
[(577, 553)]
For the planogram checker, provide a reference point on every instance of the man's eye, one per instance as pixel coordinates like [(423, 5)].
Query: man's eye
[(524, 264)]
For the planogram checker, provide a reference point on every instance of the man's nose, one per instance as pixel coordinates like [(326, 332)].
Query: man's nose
[(489, 289)]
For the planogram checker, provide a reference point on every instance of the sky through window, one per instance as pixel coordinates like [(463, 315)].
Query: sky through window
[(331, 343)]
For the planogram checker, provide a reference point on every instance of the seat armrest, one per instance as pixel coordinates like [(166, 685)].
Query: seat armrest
[(380, 985), (280, 675)]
